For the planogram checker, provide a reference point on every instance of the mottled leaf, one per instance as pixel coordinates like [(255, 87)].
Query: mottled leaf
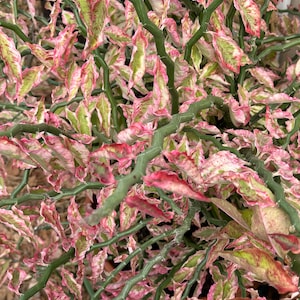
[(264, 268), (171, 182), (250, 14)]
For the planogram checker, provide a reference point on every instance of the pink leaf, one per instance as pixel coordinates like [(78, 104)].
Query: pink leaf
[(137, 63), (186, 164), (171, 182), (230, 55), (11, 58), (144, 205), (250, 14), (69, 281), (287, 242), (16, 277), (264, 268)]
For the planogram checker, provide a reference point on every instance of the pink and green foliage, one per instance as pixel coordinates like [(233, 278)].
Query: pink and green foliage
[(156, 147)]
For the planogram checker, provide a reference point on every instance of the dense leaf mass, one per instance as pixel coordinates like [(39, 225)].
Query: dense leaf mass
[(149, 149)]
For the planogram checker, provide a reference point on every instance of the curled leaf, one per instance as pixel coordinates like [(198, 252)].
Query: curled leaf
[(172, 183)]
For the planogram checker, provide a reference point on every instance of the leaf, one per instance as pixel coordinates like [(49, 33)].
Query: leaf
[(230, 210), (186, 164), (137, 63), (69, 281), (31, 77), (16, 277), (264, 268), (264, 76), (51, 216), (253, 190), (172, 183), (144, 205), (230, 55), (11, 58), (16, 220), (103, 109), (89, 76), (250, 14), (73, 80), (287, 242)]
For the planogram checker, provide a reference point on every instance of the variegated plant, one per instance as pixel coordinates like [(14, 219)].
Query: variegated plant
[(165, 135)]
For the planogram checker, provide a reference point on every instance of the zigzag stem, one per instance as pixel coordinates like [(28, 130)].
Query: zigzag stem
[(100, 62), (161, 50), (144, 158), (33, 128), (52, 194), (203, 26), (126, 261), (70, 254), (275, 188), (180, 231)]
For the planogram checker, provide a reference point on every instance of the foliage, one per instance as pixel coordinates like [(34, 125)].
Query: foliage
[(165, 139)]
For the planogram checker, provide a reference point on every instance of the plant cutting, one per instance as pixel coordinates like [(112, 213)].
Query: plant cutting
[(149, 150)]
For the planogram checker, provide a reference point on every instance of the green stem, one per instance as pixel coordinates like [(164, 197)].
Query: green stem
[(196, 274), (100, 62), (180, 231), (22, 184), (16, 29), (276, 188), (203, 26), (143, 159), (277, 48), (52, 194), (33, 128), (161, 50), (47, 273), (121, 266)]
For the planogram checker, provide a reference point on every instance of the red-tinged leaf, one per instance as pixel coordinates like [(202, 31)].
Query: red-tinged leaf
[(267, 98), (44, 56), (127, 216), (16, 220), (70, 282), (97, 263), (161, 95), (64, 44), (73, 80), (239, 114), (89, 76), (264, 76), (160, 7), (250, 14), (11, 58), (79, 151), (31, 78), (265, 269), (51, 216), (137, 62), (60, 152), (253, 190), (39, 155), (135, 131), (55, 291), (287, 242), (16, 277), (186, 164), (84, 7), (171, 182), (117, 35), (103, 109), (230, 210), (144, 205), (268, 220), (171, 26), (230, 55), (99, 19)]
